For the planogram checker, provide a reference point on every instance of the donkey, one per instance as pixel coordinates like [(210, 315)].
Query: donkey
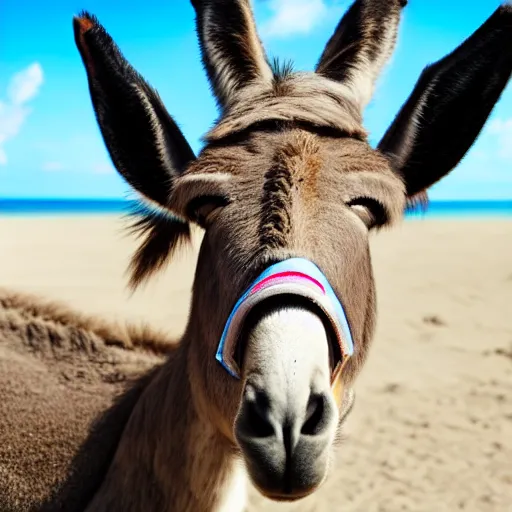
[(287, 190)]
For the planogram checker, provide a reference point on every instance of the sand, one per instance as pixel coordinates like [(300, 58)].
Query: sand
[(432, 426)]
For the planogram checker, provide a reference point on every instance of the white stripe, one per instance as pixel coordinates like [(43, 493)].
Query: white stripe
[(207, 176)]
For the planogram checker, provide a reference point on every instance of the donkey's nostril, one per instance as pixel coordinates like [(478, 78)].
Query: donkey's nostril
[(316, 415), (255, 415), (257, 423)]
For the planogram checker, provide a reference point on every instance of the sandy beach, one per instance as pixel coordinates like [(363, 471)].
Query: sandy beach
[(431, 430)]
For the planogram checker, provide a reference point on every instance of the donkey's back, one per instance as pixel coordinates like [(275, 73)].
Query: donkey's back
[(63, 403)]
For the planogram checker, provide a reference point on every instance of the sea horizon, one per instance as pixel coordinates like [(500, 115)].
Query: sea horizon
[(116, 206)]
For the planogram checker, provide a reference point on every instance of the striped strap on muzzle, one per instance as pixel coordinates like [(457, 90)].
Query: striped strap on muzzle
[(295, 276)]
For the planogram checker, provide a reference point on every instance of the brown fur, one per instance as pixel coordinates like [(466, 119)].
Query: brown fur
[(299, 98)]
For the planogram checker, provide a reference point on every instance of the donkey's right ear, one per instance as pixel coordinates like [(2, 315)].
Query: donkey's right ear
[(361, 45), (232, 53), (145, 144)]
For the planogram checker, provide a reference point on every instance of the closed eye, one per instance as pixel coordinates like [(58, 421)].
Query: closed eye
[(203, 209), (371, 211)]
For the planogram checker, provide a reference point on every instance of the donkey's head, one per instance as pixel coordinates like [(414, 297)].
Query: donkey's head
[(287, 189)]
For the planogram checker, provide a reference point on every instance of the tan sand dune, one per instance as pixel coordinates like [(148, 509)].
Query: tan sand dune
[(432, 426)]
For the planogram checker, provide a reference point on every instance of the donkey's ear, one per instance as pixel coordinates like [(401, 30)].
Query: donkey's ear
[(231, 50), (145, 144), (361, 45), (450, 104)]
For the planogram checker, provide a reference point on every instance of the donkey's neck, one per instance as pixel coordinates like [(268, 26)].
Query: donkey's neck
[(168, 458)]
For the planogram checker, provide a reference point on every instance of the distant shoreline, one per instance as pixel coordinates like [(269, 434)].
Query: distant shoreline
[(63, 207)]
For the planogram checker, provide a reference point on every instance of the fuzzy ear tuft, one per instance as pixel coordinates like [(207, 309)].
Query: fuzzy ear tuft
[(419, 201), (161, 236)]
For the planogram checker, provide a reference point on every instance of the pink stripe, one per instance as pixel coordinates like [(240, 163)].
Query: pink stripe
[(283, 276)]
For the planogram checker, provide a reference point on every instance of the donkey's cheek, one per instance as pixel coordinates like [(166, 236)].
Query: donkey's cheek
[(218, 404)]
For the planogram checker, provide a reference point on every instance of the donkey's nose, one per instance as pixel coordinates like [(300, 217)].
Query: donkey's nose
[(285, 443), (287, 416)]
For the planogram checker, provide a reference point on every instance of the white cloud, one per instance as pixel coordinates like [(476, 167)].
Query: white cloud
[(23, 87), (25, 84), (502, 130), (53, 166), (290, 17)]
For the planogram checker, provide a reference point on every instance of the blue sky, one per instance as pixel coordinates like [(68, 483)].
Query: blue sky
[(50, 145)]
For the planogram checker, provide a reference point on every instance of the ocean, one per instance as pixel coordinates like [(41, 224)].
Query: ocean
[(28, 207)]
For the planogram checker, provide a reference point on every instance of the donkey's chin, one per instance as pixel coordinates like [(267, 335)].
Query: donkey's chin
[(293, 482), (286, 497)]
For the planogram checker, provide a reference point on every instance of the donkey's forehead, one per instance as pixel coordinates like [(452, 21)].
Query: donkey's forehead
[(298, 148), (305, 98)]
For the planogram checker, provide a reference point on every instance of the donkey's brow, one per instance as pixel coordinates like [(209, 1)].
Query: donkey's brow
[(207, 176), (280, 125)]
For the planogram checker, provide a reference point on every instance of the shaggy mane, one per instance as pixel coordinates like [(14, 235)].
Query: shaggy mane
[(160, 235), (419, 201)]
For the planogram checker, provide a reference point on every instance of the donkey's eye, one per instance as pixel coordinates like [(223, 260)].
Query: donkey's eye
[(369, 210), (205, 213), (203, 210)]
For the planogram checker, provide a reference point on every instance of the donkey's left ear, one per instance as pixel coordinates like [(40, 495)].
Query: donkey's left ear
[(145, 144), (450, 104)]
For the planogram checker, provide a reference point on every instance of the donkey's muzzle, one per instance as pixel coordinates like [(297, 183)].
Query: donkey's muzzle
[(286, 449)]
